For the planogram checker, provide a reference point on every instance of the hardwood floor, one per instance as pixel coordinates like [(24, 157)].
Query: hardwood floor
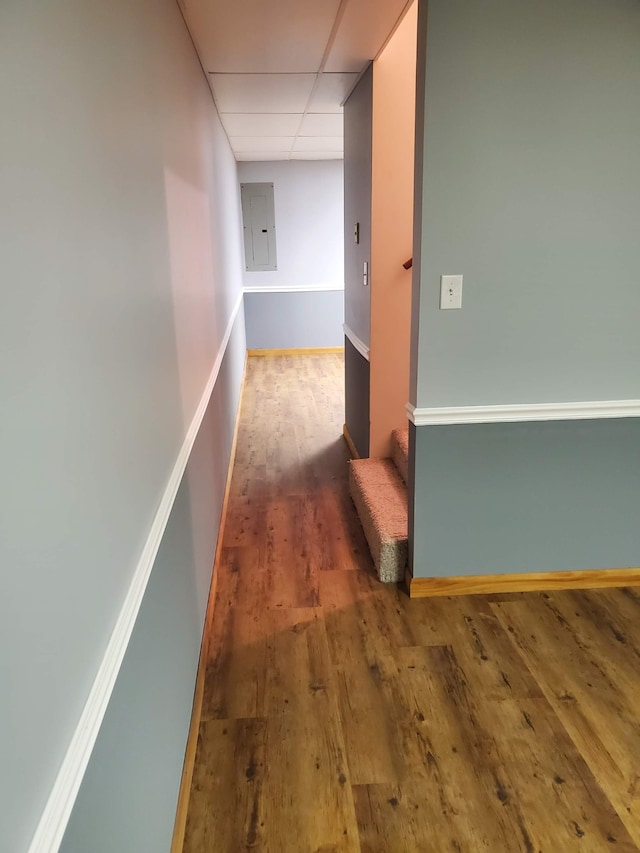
[(339, 715)]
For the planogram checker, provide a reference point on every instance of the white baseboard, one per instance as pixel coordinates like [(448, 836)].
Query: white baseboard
[(295, 288), (55, 817), (593, 410)]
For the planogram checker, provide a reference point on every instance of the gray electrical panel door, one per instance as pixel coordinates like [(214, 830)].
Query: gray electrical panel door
[(259, 227)]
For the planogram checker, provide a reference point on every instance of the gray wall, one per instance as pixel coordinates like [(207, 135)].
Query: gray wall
[(301, 304), (531, 190), (128, 797), (120, 263), (294, 320), (357, 398), (357, 208), (526, 497), (528, 185), (357, 202), (308, 200)]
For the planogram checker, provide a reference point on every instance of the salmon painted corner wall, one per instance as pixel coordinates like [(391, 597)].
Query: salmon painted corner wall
[(394, 93)]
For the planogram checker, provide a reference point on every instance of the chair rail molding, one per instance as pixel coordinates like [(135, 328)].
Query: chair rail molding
[(362, 348), (293, 288), (512, 413), (55, 817)]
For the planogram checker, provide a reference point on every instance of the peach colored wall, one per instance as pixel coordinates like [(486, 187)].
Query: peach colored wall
[(394, 81)]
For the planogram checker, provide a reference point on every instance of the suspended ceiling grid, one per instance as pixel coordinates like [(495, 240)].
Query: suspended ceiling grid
[(280, 70)]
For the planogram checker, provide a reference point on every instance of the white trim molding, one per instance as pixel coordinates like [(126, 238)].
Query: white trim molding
[(55, 817), (594, 410), (362, 348), (294, 288)]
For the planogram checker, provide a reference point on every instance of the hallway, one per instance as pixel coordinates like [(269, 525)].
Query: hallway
[(340, 715)]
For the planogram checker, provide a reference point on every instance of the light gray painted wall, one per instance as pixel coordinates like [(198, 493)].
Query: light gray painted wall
[(120, 264), (128, 797), (526, 497), (294, 320), (357, 203), (309, 224), (357, 398), (531, 190), (308, 196), (528, 185), (358, 112)]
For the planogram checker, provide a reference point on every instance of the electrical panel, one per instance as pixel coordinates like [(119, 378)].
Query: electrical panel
[(258, 218)]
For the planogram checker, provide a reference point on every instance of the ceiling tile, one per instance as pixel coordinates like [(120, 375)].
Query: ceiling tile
[(331, 91), (364, 28), (261, 143), (322, 124), (317, 155), (262, 93), (318, 143), (261, 124), (256, 156), (263, 57), (263, 37)]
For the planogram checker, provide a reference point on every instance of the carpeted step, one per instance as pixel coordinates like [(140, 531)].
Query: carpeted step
[(380, 497), (400, 451)]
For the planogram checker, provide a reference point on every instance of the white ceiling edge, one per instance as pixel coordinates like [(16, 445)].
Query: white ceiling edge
[(261, 143), (317, 155), (318, 143), (260, 156), (279, 156)]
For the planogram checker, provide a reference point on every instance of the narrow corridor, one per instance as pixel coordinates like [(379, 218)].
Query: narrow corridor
[(339, 715)]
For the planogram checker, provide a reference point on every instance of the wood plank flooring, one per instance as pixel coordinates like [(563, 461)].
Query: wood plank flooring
[(339, 715)]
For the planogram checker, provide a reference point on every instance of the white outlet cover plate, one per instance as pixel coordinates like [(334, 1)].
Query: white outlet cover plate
[(450, 291)]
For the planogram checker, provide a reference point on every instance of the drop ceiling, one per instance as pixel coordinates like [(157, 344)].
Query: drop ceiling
[(280, 70)]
